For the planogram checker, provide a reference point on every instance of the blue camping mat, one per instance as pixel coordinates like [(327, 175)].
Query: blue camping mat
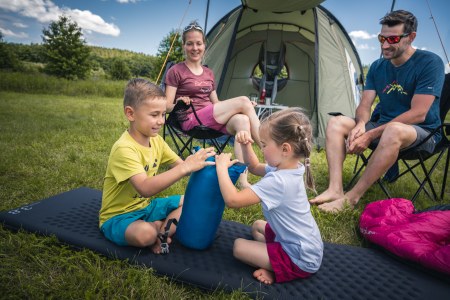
[(347, 272)]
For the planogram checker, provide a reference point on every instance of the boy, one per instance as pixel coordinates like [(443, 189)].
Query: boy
[(127, 216)]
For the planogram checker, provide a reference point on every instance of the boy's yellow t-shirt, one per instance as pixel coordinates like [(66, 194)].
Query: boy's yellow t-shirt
[(128, 158)]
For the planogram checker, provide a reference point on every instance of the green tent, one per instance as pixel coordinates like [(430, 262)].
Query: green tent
[(324, 72)]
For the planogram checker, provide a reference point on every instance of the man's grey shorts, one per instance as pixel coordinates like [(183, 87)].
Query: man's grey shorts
[(428, 146)]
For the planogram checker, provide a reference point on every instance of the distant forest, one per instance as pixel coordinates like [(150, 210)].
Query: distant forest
[(103, 61)]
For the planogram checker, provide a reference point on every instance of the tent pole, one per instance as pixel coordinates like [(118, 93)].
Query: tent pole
[(392, 6), (207, 12)]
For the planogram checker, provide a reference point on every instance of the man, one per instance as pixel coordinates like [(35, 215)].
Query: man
[(408, 83)]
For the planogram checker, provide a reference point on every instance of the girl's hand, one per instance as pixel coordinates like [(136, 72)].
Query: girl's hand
[(244, 137), (223, 161), (198, 161)]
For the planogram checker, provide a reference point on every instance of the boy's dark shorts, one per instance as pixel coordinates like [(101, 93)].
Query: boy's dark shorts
[(158, 209), (428, 146)]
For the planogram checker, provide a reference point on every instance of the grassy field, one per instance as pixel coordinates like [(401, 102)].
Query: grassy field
[(51, 144)]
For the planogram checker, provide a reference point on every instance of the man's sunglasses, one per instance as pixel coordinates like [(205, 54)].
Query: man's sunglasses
[(393, 39), (192, 26)]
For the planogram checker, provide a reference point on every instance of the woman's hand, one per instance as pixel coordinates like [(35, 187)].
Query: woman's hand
[(223, 161), (185, 99)]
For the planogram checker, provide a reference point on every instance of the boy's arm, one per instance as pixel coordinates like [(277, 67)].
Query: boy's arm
[(148, 186), (232, 197)]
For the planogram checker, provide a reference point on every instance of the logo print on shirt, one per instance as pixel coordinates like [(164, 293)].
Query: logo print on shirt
[(205, 86), (394, 86)]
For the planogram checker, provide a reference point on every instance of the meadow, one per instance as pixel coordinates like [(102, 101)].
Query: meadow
[(56, 136)]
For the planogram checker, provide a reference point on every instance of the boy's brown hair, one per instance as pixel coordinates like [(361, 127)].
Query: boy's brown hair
[(138, 90)]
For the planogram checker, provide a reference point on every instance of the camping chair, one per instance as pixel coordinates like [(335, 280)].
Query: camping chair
[(271, 63), (411, 154), (183, 140)]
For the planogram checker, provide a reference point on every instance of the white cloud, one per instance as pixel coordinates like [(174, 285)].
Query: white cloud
[(127, 1), (7, 32), (19, 25), (421, 48), (361, 34), (88, 21), (363, 47), (46, 11)]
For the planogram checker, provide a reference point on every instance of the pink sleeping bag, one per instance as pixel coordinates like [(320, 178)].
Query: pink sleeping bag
[(421, 237)]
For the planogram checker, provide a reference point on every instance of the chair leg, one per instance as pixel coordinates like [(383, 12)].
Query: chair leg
[(410, 170), (444, 181), (356, 164), (428, 177), (383, 187), (363, 165), (174, 136)]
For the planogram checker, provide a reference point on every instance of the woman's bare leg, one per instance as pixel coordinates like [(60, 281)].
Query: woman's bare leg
[(225, 110)]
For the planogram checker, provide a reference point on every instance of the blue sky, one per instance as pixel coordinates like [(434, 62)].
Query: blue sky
[(140, 25)]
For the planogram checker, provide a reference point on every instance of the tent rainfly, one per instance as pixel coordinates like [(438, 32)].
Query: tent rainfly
[(322, 68)]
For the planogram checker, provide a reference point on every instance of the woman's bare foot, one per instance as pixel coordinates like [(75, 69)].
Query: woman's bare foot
[(337, 205), (265, 276), (327, 196)]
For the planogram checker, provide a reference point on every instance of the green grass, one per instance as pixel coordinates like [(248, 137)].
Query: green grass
[(38, 83), (51, 144)]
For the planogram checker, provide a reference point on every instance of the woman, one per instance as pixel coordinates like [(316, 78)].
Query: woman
[(191, 82)]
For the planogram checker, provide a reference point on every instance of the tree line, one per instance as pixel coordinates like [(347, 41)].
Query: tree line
[(64, 53)]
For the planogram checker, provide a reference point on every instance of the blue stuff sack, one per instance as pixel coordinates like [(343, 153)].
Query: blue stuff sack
[(203, 206)]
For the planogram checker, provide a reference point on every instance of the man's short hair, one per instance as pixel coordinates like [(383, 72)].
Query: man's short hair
[(400, 17), (138, 90)]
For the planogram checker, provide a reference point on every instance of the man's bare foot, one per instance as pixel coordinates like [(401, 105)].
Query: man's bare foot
[(337, 205), (327, 196), (265, 276), (156, 247)]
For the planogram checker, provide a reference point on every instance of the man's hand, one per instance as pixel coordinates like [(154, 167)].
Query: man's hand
[(359, 144), (355, 133)]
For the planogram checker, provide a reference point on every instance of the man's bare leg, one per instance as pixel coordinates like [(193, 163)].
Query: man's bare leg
[(395, 137), (338, 129)]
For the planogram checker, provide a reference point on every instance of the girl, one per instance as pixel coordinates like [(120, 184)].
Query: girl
[(191, 82), (288, 245)]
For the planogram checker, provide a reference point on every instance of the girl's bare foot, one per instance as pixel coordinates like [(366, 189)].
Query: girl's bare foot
[(265, 276), (327, 196)]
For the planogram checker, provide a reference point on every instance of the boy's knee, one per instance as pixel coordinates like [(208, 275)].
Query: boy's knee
[(143, 237)]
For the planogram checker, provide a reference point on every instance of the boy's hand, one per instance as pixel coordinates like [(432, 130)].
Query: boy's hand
[(244, 137), (198, 161), (224, 161)]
